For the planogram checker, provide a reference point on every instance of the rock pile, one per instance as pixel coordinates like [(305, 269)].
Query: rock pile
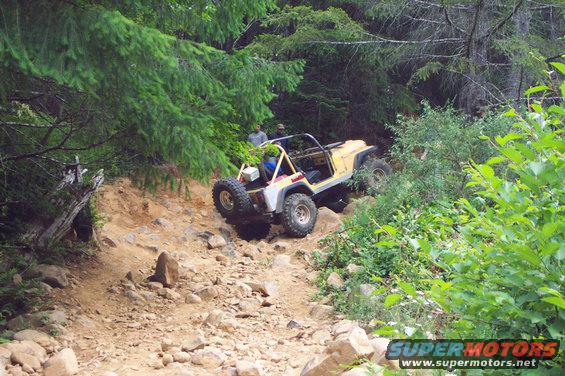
[(33, 352), (350, 345)]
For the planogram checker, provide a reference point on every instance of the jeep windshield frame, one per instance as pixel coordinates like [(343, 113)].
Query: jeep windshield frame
[(308, 137)]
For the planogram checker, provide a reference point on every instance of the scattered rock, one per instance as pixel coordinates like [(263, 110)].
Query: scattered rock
[(148, 295), (321, 311), (293, 324), (327, 221), (27, 347), (48, 290), (209, 358), (350, 346), (222, 259), (216, 241), (167, 359), (344, 350), (64, 363), (322, 336), (321, 365), (228, 325), (134, 296), (367, 290), (281, 261), (215, 317), (266, 288), (269, 301), (243, 288), (40, 338), (54, 276), (353, 268), (343, 326), (109, 242), (135, 276), (208, 292), (245, 368), (24, 360), (193, 299), (196, 342), (163, 222), (155, 286), (166, 270), (380, 346), (281, 246), (130, 238), (169, 294), (334, 280), (181, 357), (312, 277)]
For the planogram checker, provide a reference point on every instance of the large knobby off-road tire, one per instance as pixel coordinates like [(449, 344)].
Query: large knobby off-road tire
[(375, 172), (253, 230), (231, 199), (299, 215)]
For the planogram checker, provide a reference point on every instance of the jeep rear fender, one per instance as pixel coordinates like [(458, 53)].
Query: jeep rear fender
[(298, 187), (359, 158)]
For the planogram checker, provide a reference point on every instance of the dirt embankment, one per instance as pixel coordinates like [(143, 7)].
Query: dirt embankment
[(238, 308)]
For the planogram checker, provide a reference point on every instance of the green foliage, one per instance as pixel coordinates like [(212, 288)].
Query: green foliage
[(505, 271), (16, 297), (499, 248), (489, 264), (345, 92)]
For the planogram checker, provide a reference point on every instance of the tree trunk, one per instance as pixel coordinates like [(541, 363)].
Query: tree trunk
[(40, 235), (516, 78), (473, 93)]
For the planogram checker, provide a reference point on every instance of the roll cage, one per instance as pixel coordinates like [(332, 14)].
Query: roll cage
[(284, 155)]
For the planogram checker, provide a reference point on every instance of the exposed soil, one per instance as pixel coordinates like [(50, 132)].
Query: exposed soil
[(111, 332)]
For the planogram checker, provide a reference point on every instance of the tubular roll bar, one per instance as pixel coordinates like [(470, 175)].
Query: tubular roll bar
[(305, 135)]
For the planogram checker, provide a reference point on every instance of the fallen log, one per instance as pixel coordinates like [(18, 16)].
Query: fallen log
[(40, 235)]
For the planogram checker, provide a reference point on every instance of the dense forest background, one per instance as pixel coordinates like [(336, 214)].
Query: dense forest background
[(161, 90)]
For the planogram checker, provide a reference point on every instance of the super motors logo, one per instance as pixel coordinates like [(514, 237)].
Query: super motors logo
[(471, 353)]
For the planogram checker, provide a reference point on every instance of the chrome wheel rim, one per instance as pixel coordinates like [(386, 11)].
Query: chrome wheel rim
[(376, 177), (226, 200), (302, 214)]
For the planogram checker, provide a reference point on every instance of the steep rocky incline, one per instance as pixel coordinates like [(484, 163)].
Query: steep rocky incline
[(172, 291)]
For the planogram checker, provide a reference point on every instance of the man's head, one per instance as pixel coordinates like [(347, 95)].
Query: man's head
[(280, 129), (258, 128)]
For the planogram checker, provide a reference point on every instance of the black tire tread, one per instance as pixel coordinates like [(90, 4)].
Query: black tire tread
[(242, 202), (286, 215)]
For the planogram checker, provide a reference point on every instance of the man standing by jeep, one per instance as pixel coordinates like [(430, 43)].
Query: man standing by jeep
[(257, 137), (279, 134)]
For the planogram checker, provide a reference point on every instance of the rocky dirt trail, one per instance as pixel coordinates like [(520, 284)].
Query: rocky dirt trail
[(231, 307)]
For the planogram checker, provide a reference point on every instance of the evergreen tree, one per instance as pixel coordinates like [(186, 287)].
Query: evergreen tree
[(114, 81)]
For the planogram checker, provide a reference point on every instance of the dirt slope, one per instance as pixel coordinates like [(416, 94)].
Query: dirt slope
[(111, 332)]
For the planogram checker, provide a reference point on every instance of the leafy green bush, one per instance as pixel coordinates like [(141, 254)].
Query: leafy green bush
[(504, 272), (489, 264), (16, 296)]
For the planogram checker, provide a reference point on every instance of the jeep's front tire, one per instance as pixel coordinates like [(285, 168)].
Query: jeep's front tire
[(298, 215), (231, 198), (376, 171), (253, 230)]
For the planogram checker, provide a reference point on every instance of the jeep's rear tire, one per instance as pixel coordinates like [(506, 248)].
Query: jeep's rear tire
[(299, 215), (376, 171), (253, 230), (231, 198)]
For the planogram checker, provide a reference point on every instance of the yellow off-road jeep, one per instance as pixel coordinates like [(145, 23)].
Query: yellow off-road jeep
[(288, 188)]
